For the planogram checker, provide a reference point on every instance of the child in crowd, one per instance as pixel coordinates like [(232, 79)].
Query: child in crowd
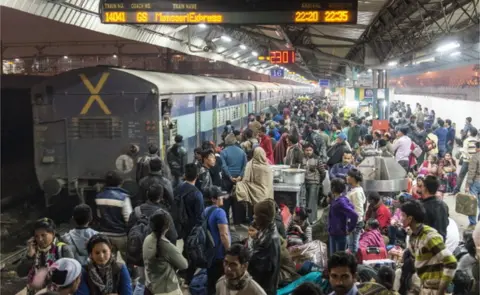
[(78, 237), (300, 231)]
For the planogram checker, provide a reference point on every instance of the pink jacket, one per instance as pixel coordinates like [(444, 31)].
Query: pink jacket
[(372, 238)]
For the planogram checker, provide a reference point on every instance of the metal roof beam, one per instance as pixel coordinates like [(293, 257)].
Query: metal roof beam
[(329, 56)]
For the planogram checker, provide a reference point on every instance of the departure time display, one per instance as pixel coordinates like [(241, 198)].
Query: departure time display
[(278, 57), (228, 12)]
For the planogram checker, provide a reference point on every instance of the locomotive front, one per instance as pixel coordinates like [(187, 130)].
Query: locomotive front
[(90, 121)]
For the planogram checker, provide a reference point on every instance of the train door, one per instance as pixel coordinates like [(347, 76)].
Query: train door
[(250, 103), (167, 127), (214, 118), (199, 108)]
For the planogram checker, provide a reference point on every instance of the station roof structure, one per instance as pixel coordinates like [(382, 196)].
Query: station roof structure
[(387, 32)]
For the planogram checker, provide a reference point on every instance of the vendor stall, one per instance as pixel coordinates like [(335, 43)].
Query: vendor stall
[(289, 186)]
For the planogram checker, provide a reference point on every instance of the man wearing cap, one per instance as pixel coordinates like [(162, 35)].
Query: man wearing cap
[(218, 226), (335, 153)]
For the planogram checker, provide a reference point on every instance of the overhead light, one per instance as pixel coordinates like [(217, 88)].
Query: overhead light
[(114, 56), (243, 47), (455, 53), (428, 59), (348, 79), (369, 70), (278, 33), (226, 38), (392, 63), (448, 46), (254, 53), (65, 57), (17, 59), (202, 26)]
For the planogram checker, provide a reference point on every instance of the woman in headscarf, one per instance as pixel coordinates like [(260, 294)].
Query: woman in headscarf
[(104, 275), (264, 264), (280, 150), (43, 250), (257, 182)]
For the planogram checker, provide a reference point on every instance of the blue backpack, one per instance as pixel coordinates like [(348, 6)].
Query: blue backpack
[(198, 285), (200, 244)]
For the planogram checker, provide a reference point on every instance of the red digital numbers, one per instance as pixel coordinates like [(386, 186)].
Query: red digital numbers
[(282, 57)]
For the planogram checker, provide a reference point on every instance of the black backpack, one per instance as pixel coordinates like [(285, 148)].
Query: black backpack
[(179, 213), (135, 238), (200, 245)]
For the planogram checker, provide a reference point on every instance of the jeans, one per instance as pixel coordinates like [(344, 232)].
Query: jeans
[(140, 286), (312, 200), (404, 164), (139, 289), (461, 176), (475, 190), (214, 273), (337, 243), (354, 237)]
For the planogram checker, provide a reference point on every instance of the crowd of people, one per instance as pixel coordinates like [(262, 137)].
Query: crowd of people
[(227, 187)]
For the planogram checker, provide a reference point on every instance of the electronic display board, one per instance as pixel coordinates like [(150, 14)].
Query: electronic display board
[(281, 57), (228, 11)]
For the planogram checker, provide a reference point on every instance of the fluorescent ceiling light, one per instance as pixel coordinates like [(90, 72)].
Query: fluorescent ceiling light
[(456, 53), (448, 46), (419, 61), (392, 63), (202, 26), (369, 70), (65, 57), (114, 56), (243, 47), (226, 38), (254, 53)]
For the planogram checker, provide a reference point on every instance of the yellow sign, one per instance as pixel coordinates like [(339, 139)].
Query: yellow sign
[(94, 94)]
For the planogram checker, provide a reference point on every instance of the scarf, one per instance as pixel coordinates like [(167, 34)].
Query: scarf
[(240, 283), (44, 258), (102, 276)]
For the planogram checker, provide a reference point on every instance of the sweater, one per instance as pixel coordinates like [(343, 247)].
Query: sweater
[(121, 280), (474, 169), (251, 288), (342, 217), (433, 262)]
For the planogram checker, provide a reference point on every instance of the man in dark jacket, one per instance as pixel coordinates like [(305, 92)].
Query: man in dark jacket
[(143, 163), (155, 177), (155, 201), (335, 152), (354, 133), (114, 208), (265, 262), (177, 159), (436, 210), (318, 143), (194, 207), (204, 181)]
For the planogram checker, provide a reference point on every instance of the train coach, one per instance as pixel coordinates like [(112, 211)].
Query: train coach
[(92, 120)]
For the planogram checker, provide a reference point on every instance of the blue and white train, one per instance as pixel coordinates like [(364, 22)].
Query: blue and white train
[(87, 121)]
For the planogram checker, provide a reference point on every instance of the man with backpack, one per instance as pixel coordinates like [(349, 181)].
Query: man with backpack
[(206, 244), (188, 211), (155, 176), (138, 230), (176, 159), (143, 163)]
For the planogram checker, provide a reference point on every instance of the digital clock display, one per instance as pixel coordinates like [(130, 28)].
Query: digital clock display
[(228, 12), (280, 57)]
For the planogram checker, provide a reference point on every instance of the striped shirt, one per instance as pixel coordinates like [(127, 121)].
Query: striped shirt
[(469, 148), (433, 261)]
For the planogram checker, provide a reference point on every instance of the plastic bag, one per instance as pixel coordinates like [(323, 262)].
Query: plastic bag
[(314, 251)]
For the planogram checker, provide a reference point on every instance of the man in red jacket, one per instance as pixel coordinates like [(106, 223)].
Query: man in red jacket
[(266, 144), (378, 211)]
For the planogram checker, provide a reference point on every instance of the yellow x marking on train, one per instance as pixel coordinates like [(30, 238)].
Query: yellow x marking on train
[(94, 94)]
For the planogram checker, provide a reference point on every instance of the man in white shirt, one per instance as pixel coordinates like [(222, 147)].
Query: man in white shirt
[(453, 235), (402, 148)]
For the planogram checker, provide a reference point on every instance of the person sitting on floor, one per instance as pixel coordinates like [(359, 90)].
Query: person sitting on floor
[(372, 237), (300, 231)]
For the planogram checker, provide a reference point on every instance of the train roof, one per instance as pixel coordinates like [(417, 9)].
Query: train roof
[(177, 83)]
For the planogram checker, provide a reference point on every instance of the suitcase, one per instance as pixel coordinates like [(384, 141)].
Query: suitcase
[(466, 204), (371, 253), (378, 263)]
